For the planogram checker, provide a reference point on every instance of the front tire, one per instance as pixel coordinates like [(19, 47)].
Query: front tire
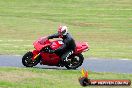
[(75, 62), (27, 60)]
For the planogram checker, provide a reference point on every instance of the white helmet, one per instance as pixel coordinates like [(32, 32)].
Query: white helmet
[(62, 30)]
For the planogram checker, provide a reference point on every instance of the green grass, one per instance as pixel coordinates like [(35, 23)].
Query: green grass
[(105, 24), (53, 78)]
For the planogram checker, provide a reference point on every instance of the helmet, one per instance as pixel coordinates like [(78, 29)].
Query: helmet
[(62, 31)]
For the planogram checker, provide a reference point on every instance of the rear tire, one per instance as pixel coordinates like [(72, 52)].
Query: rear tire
[(72, 64), (27, 60)]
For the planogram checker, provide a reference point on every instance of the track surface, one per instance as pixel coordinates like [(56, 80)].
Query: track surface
[(92, 64)]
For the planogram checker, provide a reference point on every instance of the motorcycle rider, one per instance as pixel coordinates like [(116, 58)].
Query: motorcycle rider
[(68, 46)]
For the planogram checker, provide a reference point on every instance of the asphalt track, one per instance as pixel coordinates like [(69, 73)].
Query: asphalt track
[(92, 64)]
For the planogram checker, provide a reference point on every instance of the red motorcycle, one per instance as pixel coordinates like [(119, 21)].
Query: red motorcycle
[(41, 54)]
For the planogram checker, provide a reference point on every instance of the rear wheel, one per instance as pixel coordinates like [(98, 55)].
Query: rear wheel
[(75, 61), (27, 60)]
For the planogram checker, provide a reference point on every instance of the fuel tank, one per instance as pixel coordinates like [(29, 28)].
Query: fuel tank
[(56, 44)]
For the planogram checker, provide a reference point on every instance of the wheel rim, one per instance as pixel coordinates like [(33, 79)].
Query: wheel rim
[(74, 62), (28, 60)]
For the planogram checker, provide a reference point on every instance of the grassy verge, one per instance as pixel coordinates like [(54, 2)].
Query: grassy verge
[(49, 78), (105, 24)]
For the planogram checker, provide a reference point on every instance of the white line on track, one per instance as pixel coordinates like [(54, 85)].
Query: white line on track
[(124, 59)]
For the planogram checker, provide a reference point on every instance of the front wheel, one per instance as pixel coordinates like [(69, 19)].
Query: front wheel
[(27, 60), (75, 62)]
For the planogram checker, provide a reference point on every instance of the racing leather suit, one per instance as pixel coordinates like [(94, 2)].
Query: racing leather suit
[(67, 48)]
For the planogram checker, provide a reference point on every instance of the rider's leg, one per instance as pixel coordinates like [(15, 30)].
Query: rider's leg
[(65, 56)]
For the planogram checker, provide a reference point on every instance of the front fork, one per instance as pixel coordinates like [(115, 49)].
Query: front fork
[(36, 54)]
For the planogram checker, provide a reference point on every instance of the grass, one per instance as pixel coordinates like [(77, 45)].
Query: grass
[(106, 25), (53, 78)]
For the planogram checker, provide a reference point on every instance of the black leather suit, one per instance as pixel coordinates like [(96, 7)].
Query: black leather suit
[(67, 48)]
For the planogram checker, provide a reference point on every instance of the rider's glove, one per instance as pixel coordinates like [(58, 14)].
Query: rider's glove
[(51, 51)]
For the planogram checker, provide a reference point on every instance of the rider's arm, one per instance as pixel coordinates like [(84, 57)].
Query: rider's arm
[(53, 36)]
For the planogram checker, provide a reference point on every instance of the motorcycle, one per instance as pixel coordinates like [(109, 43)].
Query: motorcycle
[(41, 54)]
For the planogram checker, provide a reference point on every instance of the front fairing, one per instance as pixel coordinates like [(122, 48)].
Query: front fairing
[(41, 43)]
